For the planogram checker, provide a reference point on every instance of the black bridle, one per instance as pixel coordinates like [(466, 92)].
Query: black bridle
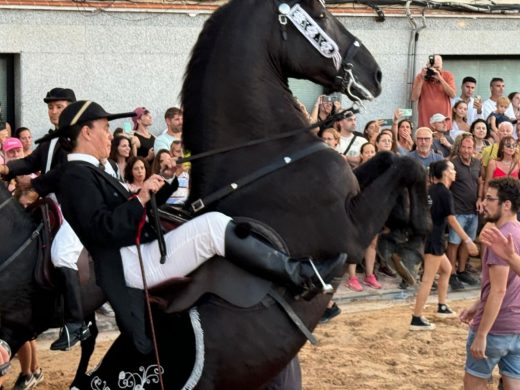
[(345, 80)]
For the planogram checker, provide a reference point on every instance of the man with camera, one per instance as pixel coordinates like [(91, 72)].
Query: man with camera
[(433, 88)]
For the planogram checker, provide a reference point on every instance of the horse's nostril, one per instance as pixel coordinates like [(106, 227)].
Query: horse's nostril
[(379, 76)]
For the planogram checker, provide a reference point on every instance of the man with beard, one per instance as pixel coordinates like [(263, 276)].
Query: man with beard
[(494, 335), (465, 190)]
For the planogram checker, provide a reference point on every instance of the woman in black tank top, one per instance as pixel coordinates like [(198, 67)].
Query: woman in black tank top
[(143, 140)]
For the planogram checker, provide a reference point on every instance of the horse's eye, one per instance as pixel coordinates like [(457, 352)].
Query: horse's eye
[(322, 15)]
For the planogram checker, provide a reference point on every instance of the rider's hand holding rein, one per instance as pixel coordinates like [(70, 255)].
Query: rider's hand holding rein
[(153, 184)]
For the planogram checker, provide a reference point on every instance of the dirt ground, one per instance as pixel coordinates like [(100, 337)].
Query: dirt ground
[(358, 350)]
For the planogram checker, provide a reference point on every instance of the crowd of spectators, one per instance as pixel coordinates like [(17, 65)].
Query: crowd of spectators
[(479, 136), (467, 140)]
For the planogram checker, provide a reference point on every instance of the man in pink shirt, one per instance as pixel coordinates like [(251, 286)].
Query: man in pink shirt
[(433, 89), (494, 335)]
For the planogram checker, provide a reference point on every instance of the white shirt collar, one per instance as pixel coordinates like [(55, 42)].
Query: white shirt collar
[(83, 157)]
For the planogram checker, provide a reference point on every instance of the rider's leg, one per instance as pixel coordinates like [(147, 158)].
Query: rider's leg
[(212, 234), (74, 329), (65, 252), (254, 255)]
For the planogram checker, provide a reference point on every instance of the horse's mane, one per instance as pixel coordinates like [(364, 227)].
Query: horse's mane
[(196, 70)]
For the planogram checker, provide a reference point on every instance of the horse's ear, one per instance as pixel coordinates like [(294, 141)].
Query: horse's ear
[(312, 6)]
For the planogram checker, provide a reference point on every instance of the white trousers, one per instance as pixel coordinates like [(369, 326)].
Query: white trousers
[(187, 247), (66, 247)]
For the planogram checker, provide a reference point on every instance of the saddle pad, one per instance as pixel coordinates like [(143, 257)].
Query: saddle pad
[(221, 277)]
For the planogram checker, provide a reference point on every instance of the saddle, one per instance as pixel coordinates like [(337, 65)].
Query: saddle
[(218, 277)]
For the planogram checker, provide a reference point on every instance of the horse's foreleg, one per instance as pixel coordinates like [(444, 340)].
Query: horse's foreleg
[(368, 211), (369, 171), (87, 348), (383, 181)]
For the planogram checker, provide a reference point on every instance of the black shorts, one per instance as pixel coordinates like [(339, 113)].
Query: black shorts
[(434, 247)]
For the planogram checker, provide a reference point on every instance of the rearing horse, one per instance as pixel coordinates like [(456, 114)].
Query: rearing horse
[(235, 92)]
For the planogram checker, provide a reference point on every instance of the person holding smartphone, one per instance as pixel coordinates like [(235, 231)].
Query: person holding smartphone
[(323, 110), (473, 103)]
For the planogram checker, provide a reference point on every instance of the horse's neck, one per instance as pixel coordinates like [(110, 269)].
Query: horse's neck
[(235, 92), (253, 114)]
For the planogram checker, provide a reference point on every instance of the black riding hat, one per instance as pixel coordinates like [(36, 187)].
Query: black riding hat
[(56, 94), (78, 113)]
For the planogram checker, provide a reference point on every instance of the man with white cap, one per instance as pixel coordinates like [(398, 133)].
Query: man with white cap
[(108, 220), (442, 142)]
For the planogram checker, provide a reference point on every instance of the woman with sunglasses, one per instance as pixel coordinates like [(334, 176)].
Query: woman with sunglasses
[(506, 163)]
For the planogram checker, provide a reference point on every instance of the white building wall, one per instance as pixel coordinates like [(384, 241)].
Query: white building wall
[(128, 59)]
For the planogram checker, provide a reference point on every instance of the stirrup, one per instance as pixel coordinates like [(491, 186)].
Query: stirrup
[(326, 288), (80, 334)]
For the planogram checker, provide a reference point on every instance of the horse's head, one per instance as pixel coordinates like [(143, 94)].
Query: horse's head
[(316, 46)]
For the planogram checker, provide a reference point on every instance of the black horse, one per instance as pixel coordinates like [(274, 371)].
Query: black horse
[(236, 93), (26, 307)]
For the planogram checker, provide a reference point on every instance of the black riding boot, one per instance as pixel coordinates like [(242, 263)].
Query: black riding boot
[(75, 328), (252, 254)]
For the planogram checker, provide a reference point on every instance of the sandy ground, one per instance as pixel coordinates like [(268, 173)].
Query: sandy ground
[(359, 349)]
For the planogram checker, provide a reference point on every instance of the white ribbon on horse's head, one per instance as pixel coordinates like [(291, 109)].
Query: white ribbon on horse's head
[(313, 33)]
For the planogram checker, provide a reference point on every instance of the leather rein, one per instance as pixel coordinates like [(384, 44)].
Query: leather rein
[(279, 162)]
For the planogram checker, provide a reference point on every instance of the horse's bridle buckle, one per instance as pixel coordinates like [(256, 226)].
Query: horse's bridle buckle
[(197, 205)]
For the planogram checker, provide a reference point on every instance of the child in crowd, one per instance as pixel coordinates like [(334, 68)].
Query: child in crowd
[(499, 115)]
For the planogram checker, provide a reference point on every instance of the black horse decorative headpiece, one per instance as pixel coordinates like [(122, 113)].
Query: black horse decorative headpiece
[(328, 48)]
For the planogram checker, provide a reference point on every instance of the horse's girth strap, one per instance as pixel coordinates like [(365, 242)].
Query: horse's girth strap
[(293, 316)]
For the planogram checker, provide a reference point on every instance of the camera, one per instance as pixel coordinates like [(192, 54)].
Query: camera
[(328, 99), (429, 71)]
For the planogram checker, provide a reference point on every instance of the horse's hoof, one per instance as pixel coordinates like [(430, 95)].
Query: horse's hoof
[(401, 269)]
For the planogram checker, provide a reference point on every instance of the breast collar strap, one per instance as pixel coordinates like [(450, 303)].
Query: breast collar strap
[(278, 163)]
